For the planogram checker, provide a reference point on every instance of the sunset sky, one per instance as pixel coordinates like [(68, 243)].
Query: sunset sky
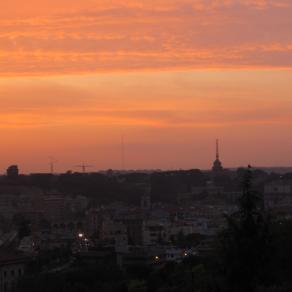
[(170, 76)]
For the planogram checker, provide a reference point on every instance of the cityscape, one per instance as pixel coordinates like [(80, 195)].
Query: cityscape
[(131, 223), (145, 146)]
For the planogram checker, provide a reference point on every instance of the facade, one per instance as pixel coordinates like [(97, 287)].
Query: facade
[(145, 202), (279, 187), (177, 255), (209, 189), (111, 228), (134, 227), (55, 207), (12, 269), (153, 232), (121, 243), (27, 245)]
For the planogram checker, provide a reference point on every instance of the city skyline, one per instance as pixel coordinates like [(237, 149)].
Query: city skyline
[(54, 166), (170, 76)]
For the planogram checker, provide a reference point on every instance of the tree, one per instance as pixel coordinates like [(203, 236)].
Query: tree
[(137, 286), (246, 242), (22, 224)]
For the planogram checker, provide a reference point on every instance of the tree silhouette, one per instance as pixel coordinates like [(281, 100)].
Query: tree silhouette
[(246, 242)]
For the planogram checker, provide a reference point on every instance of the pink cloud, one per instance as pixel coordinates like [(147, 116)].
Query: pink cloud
[(99, 36)]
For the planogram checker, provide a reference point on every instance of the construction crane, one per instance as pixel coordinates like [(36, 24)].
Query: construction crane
[(83, 167)]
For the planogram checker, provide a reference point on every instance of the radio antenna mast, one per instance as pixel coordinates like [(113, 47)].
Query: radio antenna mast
[(123, 152)]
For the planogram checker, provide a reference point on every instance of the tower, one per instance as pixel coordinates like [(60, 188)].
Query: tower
[(217, 165)]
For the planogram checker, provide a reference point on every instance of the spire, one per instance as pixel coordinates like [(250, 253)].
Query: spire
[(217, 165)]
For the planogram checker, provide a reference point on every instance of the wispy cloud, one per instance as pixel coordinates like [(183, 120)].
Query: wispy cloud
[(61, 106), (106, 36)]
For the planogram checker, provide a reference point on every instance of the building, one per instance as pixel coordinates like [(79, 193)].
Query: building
[(217, 165), (12, 269), (101, 255), (121, 243), (139, 255), (93, 221), (279, 187), (110, 229), (134, 225), (173, 254), (209, 189), (153, 232), (7, 206), (56, 207), (146, 202), (27, 245)]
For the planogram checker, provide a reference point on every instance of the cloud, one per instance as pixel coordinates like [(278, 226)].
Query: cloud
[(107, 36), (84, 112)]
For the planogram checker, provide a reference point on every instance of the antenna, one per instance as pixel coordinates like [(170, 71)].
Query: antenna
[(52, 164), (83, 167), (217, 149), (123, 152)]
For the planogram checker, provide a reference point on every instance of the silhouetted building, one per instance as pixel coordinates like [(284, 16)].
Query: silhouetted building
[(146, 202), (12, 269), (134, 225), (12, 171), (55, 207), (217, 165)]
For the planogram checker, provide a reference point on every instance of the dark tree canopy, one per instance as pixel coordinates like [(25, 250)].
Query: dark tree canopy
[(246, 242)]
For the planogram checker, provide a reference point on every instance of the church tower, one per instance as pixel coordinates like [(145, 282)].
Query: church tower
[(217, 165)]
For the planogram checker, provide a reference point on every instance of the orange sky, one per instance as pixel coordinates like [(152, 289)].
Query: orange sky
[(171, 76)]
